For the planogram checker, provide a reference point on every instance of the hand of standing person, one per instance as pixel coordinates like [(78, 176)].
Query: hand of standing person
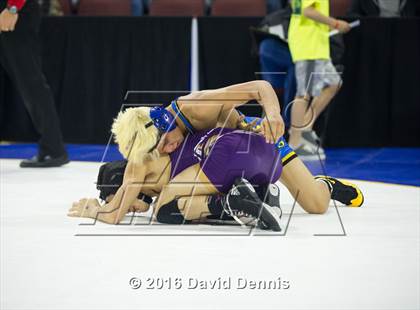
[(341, 25), (8, 20)]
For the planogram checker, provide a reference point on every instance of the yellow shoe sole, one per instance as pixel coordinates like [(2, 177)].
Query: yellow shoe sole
[(359, 200), (354, 203)]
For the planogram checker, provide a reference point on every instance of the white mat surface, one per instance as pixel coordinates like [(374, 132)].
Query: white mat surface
[(46, 265)]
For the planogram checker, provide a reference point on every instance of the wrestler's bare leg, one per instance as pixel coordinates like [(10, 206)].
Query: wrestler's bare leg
[(190, 182), (312, 195), (194, 208)]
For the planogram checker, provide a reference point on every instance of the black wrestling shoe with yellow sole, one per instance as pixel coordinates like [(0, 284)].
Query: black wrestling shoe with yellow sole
[(342, 191)]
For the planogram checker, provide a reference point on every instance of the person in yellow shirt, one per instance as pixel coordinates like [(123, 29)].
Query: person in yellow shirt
[(316, 76)]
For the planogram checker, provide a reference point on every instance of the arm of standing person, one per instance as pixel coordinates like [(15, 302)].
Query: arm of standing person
[(10, 15), (312, 13)]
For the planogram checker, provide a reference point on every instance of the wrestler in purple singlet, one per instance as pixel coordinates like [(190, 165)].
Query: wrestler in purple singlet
[(231, 153)]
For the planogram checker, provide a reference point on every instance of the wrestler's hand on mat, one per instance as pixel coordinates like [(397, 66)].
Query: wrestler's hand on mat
[(138, 206), (8, 21), (272, 128), (85, 208)]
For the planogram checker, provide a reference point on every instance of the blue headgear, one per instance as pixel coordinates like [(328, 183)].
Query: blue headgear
[(162, 119)]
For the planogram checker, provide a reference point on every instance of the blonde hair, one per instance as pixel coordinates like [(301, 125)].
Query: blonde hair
[(133, 138)]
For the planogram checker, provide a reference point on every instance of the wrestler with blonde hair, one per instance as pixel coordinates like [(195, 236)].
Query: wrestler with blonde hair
[(205, 110), (136, 141)]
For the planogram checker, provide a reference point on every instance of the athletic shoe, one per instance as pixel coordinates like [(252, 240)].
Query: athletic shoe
[(311, 138), (309, 152), (218, 202), (242, 199), (270, 195), (244, 219), (45, 161), (344, 192)]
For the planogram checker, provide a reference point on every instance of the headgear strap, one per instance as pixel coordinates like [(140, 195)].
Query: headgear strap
[(162, 119)]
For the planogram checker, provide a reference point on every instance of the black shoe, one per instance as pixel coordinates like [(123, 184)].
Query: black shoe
[(345, 192), (218, 202), (218, 220), (44, 161), (242, 199), (270, 195)]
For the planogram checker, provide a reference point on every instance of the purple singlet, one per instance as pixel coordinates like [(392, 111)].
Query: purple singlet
[(184, 156), (229, 154)]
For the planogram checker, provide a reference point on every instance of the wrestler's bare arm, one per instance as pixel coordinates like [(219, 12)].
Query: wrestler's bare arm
[(214, 103), (126, 196)]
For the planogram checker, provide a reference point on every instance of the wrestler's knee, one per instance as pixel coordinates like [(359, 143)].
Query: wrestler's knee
[(317, 206), (169, 192)]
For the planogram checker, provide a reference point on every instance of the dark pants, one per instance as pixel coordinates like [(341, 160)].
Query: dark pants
[(278, 69), (275, 60), (20, 58), (139, 7)]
